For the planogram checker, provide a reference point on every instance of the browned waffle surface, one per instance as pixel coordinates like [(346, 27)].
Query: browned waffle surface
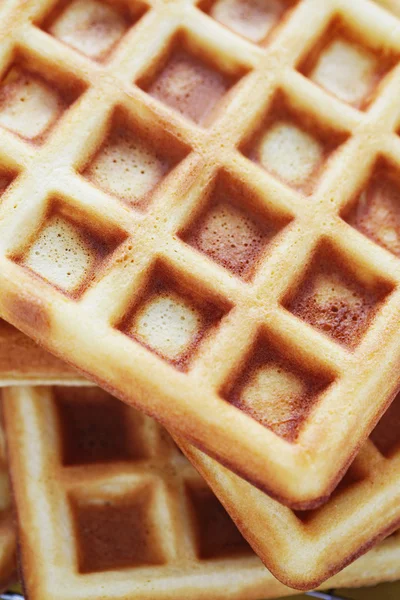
[(107, 506), (199, 211), (304, 548)]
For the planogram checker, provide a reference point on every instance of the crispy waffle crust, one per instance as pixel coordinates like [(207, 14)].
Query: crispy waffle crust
[(200, 211), (304, 548), (107, 506)]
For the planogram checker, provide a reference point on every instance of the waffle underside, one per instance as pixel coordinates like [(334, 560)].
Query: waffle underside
[(191, 216)]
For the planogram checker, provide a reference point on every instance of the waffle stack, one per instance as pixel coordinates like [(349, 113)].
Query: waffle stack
[(199, 213), (174, 211), (104, 499)]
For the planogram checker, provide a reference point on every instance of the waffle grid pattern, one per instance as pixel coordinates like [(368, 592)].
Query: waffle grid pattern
[(49, 168), (93, 467)]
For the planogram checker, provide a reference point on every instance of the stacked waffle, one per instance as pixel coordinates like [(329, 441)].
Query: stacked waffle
[(200, 213), (104, 500)]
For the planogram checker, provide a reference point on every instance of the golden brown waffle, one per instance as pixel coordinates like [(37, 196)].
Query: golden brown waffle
[(304, 548), (190, 217), (105, 501)]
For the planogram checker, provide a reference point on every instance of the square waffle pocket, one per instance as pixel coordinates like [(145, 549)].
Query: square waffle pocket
[(105, 500), (178, 183)]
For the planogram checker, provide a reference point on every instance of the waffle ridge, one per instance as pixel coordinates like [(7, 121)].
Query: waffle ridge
[(116, 248)]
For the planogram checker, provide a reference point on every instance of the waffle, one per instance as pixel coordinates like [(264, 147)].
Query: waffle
[(310, 546), (190, 217), (106, 501)]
